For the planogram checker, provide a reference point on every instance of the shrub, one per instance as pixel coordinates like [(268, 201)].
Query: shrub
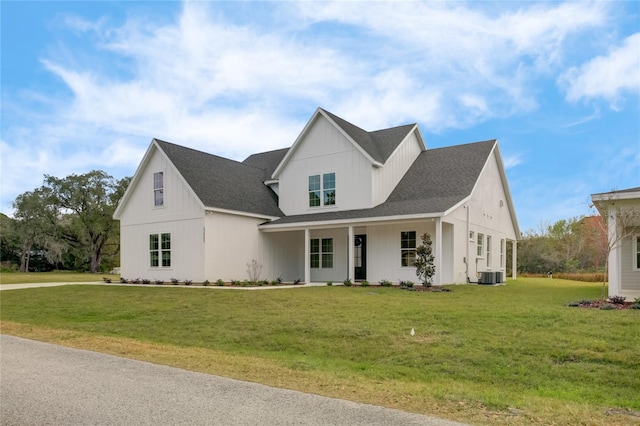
[(297, 281), (137, 281), (220, 283), (407, 284), (635, 306), (234, 282), (159, 282), (253, 270), (175, 281), (187, 282), (106, 280), (145, 281), (385, 283), (364, 283), (205, 283), (329, 283), (617, 300), (347, 282), (274, 282), (123, 280)]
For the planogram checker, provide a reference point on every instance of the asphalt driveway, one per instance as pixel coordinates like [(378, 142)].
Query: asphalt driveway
[(45, 384)]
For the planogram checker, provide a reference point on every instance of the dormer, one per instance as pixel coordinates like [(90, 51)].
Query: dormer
[(334, 165)]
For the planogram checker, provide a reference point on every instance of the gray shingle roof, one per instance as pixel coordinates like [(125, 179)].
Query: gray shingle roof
[(618, 191), (223, 183), (379, 144), (267, 161), (438, 180)]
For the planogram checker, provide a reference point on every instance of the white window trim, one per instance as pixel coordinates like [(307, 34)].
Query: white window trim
[(488, 251), (480, 245), (322, 189), (402, 250), (161, 189), (160, 251), (502, 248), (472, 236), (634, 252), (320, 253)]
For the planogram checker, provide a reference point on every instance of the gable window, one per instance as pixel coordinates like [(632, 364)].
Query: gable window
[(160, 250), (636, 252), (322, 190), (408, 248), (480, 250), (502, 252), (488, 251), (321, 253), (158, 189)]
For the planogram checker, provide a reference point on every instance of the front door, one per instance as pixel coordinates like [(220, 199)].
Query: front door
[(360, 257)]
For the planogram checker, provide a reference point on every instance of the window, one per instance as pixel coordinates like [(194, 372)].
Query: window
[(502, 252), (321, 252), (322, 192), (636, 252), (158, 189), (480, 244), (471, 236), (408, 248), (153, 249), (488, 251), (160, 248)]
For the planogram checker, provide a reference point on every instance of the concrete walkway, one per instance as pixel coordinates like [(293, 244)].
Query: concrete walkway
[(165, 285), (49, 384)]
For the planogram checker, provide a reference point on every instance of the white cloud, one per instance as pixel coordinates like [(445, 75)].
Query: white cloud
[(609, 76)]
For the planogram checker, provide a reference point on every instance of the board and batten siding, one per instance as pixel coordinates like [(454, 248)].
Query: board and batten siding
[(386, 178), (489, 215), (325, 149), (629, 278), (181, 215)]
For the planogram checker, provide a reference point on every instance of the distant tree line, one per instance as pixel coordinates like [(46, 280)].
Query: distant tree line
[(571, 245), (67, 224)]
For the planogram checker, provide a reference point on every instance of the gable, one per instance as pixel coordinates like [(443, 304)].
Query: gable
[(375, 146), (222, 183), (266, 161)]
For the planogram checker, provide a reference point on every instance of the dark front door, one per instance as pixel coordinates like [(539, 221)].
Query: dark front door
[(360, 257)]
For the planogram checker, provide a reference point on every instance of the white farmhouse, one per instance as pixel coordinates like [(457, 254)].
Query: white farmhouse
[(340, 203)]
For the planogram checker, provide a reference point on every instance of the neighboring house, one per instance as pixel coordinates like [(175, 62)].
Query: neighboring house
[(341, 203), (621, 211)]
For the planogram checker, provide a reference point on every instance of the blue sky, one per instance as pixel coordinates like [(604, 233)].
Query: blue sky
[(87, 84)]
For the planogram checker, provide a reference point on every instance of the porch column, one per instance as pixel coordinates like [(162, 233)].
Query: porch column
[(438, 252), (514, 259), (307, 256), (351, 261)]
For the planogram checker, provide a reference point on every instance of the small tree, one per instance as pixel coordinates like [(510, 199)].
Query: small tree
[(425, 268)]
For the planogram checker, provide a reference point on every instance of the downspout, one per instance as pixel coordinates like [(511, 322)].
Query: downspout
[(466, 239)]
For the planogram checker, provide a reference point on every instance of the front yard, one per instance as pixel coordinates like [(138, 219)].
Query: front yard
[(513, 354)]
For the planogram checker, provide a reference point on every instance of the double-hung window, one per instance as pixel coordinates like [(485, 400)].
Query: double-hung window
[(321, 253), (408, 248), (160, 250), (158, 189), (480, 249), (636, 252), (502, 252), (322, 190), (488, 251)]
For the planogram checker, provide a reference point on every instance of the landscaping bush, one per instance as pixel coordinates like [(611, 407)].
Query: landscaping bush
[(347, 282), (187, 282), (386, 283), (174, 281), (205, 283), (220, 283), (364, 283), (617, 300), (329, 283)]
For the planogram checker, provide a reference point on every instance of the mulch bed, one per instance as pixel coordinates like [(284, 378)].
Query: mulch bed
[(603, 304)]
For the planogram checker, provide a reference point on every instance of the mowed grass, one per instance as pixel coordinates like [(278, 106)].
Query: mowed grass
[(512, 354), (52, 277)]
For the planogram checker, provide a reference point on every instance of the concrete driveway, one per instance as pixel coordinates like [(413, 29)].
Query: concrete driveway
[(41, 383)]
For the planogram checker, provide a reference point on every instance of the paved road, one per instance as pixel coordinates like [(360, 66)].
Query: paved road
[(45, 384)]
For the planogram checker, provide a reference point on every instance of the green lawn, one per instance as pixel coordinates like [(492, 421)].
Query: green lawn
[(52, 277), (511, 354)]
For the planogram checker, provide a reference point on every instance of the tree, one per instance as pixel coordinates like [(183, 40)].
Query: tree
[(35, 219), (9, 243), (425, 268), (85, 204)]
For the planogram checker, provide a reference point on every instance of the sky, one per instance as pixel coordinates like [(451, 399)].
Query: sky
[(86, 85)]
